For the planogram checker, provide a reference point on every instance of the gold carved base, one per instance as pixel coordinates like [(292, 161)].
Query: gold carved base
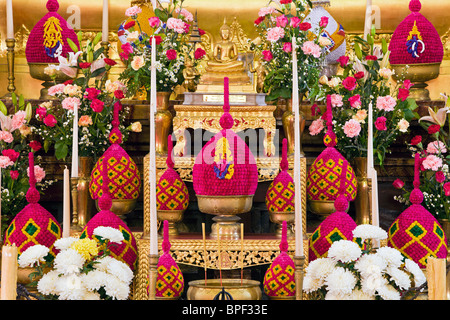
[(278, 218), (247, 290)]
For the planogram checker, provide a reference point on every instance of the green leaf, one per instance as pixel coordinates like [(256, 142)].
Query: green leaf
[(3, 108), (72, 45), (61, 150), (98, 72), (97, 39), (161, 15), (412, 104), (21, 102), (98, 52), (47, 144)]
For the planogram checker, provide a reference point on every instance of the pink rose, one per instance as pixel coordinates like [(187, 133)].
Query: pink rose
[(39, 173), (403, 94), (432, 162), (92, 93), (50, 120), (71, 103), (41, 112), (349, 83), (407, 84), (310, 48), (316, 127), (352, 128), (154, 22), (282, 21), (6, 136), (287, 47), (56, 89), (18, 120), (127, 48), (267, 55), (304, 26), (323, 22), (5, 162), (380, 124), (133, 11), (275, 34), (336, 100), (343, 61), (386, 103), (398, 184), (436, 147), (295, 22), (355, 101)]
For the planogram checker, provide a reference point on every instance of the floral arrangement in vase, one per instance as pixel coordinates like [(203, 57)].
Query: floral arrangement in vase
[(170, 26), (94, 97), (82, 270), (16, 141), (434, 163), (278, 24), (365, 79), (350, 273)]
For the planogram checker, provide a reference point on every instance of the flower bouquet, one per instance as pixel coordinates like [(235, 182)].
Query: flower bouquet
[(170, 27), (82, 270), (350, 273), (434, 164), (365, 80), (15, 144), (91, 94), (278, 24)]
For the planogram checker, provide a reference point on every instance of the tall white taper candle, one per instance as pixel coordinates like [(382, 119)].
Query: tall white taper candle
[(105, 26), (9, 20), (368, 19), (75, 144), (372, 173), (66, 204)]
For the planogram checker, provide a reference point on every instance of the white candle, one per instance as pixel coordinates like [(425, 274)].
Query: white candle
[(105, 27), (372, 174), (152, 171), (297, 179), (9, 20), (66, 204), (75, 144), (9, 273), (368, 19)]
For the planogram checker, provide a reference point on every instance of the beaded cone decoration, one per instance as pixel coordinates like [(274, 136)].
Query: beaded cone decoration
[(323, 181), (123, 173), (334, 32), (337, 226), (279, 280), (126, 251), (48, 38), (169, 279), (225, 166), (280, 195), (415, 40), (34, 224), (415, 232), (171, 192)]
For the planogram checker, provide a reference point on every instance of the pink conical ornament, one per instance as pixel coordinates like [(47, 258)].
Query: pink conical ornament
[(125, 251), (170, 280), (34, 224), (279, 280), (415, 232)]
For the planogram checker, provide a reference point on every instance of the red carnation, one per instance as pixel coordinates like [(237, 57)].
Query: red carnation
[(14, 174), (92, 93), (304, 26), (110, 62), (359, 75), (434, 128), (349, 83), (199, 53), (35, 145), (372, 58), (171, 54), (398, 184), (267, 55), (380, 123), (259, 20), (343, 61), (84, 65), (97, 105), (119, 94), (447, 188), (12, 154), (285, 1), (416, 140), (41, 112), (403, 94), (201, 31), (68, 82), (440, 176), (129, 24), (50, 120)]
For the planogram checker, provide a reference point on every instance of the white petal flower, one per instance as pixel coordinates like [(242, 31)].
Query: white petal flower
[(120, 270), (361, 295), (400, 278), (69, 261), (94, 280), (112, 234), (116, 288), (392, 256), (344, 250), (70, 287), (368, 231), (311, 284), (369, 264), (340, 281), (47, 284), (388, 292), (64, 243), (414, 269), (32, 255), (320, 268)]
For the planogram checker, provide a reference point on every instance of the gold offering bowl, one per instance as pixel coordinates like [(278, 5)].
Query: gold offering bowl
[(173, 217), (37, 72), (418, 74), (226, 209), (278, 218), (121, 207), (322, 208), (248, 290)]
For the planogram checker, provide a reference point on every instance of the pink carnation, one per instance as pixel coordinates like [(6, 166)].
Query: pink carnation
[(355, 101), (316, 127), (185, 13), (386, 103), (432, 162), (5, 162), (265, 11), (436, 147), (275, 34), (176, 24), (287, 47), (336, 100), (6, 136), (311, 48), (352, 128), (71, 103), (133, 11), (18, 120), (295, 22), (56, 89), (39, 173)]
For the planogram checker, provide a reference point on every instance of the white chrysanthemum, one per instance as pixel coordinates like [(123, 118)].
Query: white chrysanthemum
[(368, 231), (388, 292), (365, 265), (372, 282), (112, 234), (103, 263), (94, 280), (311, 284), (333, 295), (70, 287), (69, 261), (120, 270), (414, 269), (392, 256), (400, 278), (340, 281), (91, 296), (64, 243), (320, 268), (116, 288), (344, 250), (47, 284), (32, 255), (361, 295)]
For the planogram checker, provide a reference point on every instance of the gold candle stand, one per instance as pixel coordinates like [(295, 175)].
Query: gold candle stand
[(153, 272), (299, 262), (74, 190), (105, 45), (10, 57)]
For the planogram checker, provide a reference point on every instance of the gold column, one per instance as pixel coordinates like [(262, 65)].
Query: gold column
[(74, 186), (299, 262), (10, 56), (153, 272)]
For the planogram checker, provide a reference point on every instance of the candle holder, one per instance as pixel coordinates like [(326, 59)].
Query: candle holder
[(10, 57), (105, 45), (74, 190), (153, 273), (299, 262)]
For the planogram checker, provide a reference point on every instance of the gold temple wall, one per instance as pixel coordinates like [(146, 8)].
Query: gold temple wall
[(350, 13)]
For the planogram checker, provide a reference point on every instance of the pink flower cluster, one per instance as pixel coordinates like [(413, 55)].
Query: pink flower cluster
[(386, 103), (336, 100), (432, 162), (310, 48), (133, 11), (436, 147), (5, 162), (6, 136), (352, 128), (316, 127), (275, 34), (178, 25), (39, 173)]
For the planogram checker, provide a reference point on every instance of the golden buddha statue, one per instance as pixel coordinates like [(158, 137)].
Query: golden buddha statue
[(224, 62)]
